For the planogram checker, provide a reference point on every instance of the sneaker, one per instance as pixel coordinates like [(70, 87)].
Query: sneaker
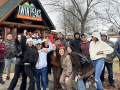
[(7, 78), (87, 84), (112, 84), (95, 85), (103, 83), (21, 76), (2, 82)]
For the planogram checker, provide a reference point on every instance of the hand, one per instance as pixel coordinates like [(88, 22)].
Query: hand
[(79, 77), (45, 50), (100, 52), (3, 48), (25, 31), (66, 80), (47, 39)]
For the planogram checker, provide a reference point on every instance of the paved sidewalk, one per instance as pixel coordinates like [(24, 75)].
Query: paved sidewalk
[(50, 87)]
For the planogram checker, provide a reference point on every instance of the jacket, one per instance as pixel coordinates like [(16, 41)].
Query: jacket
[(75, 43), (84, 72), (99, 46), (117, 49), (63, 42), (3, 49), (66, 64), (19, 55), (53, 60), (29, 53), (10, 45), (109, 58), (68, 41)]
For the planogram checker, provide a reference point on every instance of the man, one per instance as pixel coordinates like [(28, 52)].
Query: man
[(75, 43), (62, 40), (58, 43), (10, 54), (2, 61), (84, 49), (68, 40), (108, 61), (35, 37)]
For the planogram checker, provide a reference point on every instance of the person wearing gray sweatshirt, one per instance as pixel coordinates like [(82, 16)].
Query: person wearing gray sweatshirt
[(41, 65)]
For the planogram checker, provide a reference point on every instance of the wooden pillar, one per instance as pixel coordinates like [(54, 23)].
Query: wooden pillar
[(14, 30), (6, 31)]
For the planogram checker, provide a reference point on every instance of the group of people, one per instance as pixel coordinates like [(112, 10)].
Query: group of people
[(34, 58)]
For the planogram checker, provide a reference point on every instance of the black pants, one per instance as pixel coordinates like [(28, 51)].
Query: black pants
[(30, 71), (18, 69), (110, 72), (2, 65)]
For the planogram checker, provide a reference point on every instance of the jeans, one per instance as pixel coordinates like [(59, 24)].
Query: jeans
[(8, 65), (98, 65), (43, 73), (2, 65), (18, 69), (29, 70), (81, 85), (110, 73)]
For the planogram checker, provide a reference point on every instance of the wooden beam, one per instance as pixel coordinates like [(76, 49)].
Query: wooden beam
[(25, 25), (23, 21), (44, 22)]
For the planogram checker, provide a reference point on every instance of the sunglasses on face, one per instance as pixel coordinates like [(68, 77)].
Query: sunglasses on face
[(84, 37)]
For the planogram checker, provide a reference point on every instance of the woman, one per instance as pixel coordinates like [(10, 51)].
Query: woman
[(56, 67), (41, 65), (67, 73), (30, 58), (98, 50), (81, 72)]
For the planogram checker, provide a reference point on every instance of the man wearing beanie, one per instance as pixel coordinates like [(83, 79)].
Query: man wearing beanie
[(2, 61), (108, 61)]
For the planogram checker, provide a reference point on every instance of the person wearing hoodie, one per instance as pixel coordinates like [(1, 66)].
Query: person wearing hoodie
[(62, 39), (98, 51), (3, 49), (35, 37), (75, 43), (108, 61), (9, 54), (41, 65), (67, 73)]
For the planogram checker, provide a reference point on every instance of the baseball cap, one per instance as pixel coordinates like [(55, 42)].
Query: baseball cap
[(38, 42), (35, 31), (68, 34), (83, 34)]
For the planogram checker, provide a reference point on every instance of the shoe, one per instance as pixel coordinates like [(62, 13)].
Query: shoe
[(95, 85), (103, 83), (7, 78), (2, 82), (87, 84), (112, 84), (20, 76)]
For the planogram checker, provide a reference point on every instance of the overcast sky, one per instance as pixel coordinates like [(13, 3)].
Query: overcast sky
[(54, 17)]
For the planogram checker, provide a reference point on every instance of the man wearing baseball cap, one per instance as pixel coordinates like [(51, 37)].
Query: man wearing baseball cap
[(35, 37), (2, 61), (68, 40)]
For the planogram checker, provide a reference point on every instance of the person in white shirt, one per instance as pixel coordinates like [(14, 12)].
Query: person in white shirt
[(41, 65), (98, 51)]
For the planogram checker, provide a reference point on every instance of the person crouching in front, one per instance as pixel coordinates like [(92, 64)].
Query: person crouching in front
[(67, 73), (41, 65)]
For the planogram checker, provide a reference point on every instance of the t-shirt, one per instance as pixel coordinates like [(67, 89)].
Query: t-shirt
[(84, 48)]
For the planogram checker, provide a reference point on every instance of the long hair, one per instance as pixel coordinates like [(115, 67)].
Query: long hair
[(73, 50), (17, 43)]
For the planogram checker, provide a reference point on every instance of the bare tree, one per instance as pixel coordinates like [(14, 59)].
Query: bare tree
[(80, 10)]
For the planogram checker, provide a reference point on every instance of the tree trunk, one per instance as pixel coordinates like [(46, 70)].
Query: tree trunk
[(82, 27)]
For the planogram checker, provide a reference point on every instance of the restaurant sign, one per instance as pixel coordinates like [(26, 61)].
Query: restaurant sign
[(29, 12)]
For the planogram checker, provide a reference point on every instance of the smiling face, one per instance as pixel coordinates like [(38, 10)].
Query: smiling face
[(69, 50), (84, 38), (30, 43), (38, 46), (54, 47), (35, 34), (61, 52), (19, 38)]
